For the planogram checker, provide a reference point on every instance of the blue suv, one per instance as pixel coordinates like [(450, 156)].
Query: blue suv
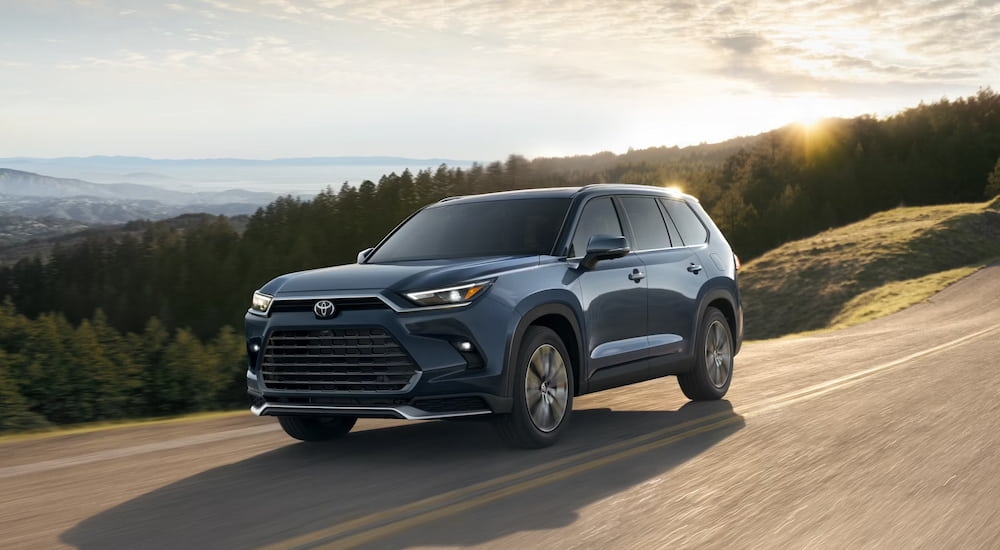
[(506, 305)]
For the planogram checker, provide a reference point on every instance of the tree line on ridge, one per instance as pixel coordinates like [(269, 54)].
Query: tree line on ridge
[(145, 322)]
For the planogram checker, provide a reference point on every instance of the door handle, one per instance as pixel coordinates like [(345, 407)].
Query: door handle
[(636, 275), (694, 268)]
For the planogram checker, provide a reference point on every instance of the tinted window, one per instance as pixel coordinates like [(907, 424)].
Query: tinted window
[(598, 218), (647, 223), (688, 225), (508, 227)]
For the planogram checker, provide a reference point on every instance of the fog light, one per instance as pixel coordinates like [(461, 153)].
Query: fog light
[(253, 352), (464, 346)]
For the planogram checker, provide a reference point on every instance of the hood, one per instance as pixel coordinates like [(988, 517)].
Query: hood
[(399, 277)]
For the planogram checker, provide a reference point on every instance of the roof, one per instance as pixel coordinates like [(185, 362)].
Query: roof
[(568, 192)]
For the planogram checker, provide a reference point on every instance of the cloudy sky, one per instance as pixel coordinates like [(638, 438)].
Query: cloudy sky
[(465, 79)]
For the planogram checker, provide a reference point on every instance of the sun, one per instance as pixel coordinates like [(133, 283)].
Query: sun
[(809, 121), (807, 110)]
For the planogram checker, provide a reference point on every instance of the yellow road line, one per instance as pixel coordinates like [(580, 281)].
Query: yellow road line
[(520, 487), (476, 488), (379, 525), (847, 380)]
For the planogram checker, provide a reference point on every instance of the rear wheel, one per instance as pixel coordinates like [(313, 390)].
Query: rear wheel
[(543, 392), (713, 369), (317, 428)]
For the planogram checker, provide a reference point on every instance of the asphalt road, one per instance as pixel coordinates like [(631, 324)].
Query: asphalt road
[(880, 436)]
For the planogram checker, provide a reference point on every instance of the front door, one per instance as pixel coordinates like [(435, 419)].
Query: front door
[(613, 293)]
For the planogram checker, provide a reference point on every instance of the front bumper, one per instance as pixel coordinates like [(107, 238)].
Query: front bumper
[(405, 412), (445, 382)]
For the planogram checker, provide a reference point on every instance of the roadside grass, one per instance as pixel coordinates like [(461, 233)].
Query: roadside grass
[(56, 430), (868, 269), (897, 295)]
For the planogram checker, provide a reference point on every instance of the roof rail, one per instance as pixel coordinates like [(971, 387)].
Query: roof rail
[(446, 199), (608, 184), (618, 185)]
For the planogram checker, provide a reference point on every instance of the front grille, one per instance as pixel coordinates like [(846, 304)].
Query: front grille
[(336, 360), (342, 304)]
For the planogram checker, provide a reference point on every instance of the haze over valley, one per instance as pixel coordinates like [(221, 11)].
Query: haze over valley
[(48, 197), (294, 176)]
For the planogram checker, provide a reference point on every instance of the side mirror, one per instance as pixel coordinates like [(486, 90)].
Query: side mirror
[(363, 255), (604, 247)]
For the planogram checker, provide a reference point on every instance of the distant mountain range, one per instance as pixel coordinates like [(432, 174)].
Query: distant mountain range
[(18, 183), (20, 229), (106, 160), (95, 211), (42, 197), (296, 176), (33, 205)]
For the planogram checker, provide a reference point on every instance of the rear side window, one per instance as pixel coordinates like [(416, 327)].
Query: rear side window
[(688, 225), (647, 223), (599, 217)]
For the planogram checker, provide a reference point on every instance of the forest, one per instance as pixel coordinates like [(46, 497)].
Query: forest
[(146, 321)]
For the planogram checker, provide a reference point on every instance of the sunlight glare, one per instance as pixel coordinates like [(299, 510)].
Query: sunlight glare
[(807, 110)]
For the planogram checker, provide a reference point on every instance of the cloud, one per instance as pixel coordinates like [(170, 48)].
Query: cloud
[(226, 6), (851, 47), (582, 78), (195, 36), (742, 44), (641, 58), (14, 64), (591, 41), (284, 6)]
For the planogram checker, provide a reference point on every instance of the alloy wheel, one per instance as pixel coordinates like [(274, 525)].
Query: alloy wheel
[(546, 388), (718, 354)]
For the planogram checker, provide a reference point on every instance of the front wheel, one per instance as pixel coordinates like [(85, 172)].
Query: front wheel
[(713, 369), (543, 392), (317, 428)]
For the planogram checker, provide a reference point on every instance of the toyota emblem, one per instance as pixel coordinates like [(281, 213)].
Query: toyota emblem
[(324, 309)]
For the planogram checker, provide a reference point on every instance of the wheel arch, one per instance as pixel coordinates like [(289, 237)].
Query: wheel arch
[(561, 319), (726, 300)]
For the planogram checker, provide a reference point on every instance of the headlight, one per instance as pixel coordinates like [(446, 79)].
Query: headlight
[(261, 303), (449, 296)]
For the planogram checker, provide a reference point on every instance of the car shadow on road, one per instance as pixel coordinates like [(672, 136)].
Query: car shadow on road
[(302, 489)]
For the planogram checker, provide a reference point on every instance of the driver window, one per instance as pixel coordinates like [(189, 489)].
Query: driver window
[(598, 218)]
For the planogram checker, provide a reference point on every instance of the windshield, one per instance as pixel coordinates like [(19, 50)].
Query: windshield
[(506, 227)]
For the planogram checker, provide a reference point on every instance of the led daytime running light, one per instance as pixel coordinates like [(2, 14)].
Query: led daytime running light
[(449, 296)]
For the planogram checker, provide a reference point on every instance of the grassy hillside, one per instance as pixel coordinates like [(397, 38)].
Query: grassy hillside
[(867, 269)]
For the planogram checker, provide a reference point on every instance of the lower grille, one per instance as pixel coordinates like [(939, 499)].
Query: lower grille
[(336, 360), (451, 404)]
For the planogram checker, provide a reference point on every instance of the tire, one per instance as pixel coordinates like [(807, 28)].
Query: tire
[(317, 428), (713, 369), (543, 392)]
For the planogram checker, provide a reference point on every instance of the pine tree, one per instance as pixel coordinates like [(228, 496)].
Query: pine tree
[(993, 181), (14, 412)]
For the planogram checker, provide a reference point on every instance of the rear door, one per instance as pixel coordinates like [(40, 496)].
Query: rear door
[(674, 274)]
